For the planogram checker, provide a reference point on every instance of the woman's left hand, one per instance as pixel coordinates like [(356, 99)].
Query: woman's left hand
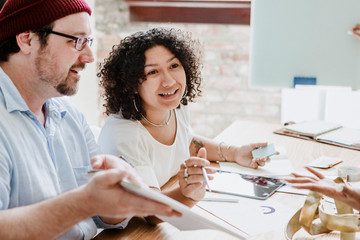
[(191, 179), (243, 155)]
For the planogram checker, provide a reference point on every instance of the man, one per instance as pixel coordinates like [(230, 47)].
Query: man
[(45, 144)]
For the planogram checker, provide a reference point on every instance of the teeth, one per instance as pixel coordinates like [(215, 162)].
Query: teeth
[(168, 94)]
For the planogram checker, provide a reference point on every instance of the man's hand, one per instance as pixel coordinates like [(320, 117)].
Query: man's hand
[(105, 197)]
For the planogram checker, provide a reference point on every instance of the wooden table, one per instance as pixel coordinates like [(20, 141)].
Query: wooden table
[(300, 152)]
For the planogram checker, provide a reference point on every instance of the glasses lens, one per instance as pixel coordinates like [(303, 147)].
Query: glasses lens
[(82, 41), (90, 41)]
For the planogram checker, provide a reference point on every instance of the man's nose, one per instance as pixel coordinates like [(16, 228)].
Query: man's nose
[(86, 55)]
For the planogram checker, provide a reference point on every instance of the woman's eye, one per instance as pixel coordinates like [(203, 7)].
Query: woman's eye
[(175, 65), (151, 72)]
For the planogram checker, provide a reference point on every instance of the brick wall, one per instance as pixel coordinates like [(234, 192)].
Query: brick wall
[(226, 92)]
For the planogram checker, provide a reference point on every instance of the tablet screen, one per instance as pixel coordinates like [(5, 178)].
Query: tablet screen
[(244, 185)]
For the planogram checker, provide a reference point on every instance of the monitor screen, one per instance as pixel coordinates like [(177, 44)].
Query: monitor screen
[(304, 39)]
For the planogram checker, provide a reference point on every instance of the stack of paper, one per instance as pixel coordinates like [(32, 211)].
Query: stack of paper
[(312, 128)]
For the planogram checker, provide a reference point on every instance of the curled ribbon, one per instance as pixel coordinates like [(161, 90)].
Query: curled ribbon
[(314, 208)]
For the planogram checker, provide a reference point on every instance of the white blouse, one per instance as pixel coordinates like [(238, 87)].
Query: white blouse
[(155, 162)]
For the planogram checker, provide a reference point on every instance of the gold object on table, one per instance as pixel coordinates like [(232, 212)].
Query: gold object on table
[(316, 218)]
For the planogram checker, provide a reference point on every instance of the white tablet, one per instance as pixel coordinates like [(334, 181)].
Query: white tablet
[(189, 220)]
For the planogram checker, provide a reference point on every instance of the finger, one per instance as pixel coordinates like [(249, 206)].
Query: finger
[(193, 179), (261, 162), (308, 186), (110, 176), (202, 153), (145, 207), (253, 164), (210, 170), (300, 180), (303, 176), (97, 162), (194, 171), (258, 145), (198, 162), (198, 170), (316, 173)]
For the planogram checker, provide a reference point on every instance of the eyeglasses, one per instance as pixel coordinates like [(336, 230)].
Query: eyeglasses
[(80, 42)]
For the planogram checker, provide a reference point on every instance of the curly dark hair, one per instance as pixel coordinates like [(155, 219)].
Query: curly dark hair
[(123, 71), (9, 46)]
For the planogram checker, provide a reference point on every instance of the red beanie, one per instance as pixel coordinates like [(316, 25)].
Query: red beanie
[(18, 16)]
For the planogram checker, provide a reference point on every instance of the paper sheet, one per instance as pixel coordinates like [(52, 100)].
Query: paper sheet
[(251, 216), (274, 168), (347, 136)]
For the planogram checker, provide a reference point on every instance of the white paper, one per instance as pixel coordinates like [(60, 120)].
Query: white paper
[(251, 216), (324, 162), (347, 136), (314, 128), (289, 189), (282, 153), (189, 220), (274, 168), (302, 104), (343, 107)]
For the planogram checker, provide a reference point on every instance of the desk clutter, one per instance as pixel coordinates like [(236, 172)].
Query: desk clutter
[(248, 214), (325, 132)]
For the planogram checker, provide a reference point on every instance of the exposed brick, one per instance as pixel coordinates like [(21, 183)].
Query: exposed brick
[(227, 93)]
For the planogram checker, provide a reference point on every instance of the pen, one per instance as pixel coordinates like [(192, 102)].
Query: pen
[(230, 200), (91, 172), (206, 178), (126, 160)]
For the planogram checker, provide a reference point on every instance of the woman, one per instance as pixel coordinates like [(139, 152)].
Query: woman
[(149, 79)]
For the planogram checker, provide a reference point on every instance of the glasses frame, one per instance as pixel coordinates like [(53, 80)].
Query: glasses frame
[(80, 42)]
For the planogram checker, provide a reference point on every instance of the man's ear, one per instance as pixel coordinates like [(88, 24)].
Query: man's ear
[(24, 41)]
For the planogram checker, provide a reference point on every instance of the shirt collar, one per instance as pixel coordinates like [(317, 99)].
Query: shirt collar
[(12, 98), (15, 102)]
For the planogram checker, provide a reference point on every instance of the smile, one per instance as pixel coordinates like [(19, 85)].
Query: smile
[(168, 94)]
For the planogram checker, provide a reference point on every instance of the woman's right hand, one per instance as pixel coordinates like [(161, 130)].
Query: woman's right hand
[(191, 179)]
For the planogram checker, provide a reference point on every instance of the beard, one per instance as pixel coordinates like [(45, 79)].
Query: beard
[(49, 73), (68, 86)]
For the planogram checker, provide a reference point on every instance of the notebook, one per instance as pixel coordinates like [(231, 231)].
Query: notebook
[(311, 128), (325, 132)]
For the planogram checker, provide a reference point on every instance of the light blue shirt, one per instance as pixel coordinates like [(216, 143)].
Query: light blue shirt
[(38, 163)]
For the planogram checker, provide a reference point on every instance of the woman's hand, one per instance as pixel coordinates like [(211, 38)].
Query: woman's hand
[(191, 179), (319, 183), (243, 156)]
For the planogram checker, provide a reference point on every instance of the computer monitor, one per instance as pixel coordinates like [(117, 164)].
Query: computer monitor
[(304, 39)]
